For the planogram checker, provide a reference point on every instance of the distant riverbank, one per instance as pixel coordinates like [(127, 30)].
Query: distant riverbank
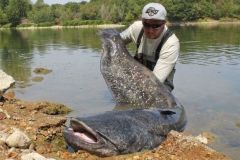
[(80, 26), (207, 23)]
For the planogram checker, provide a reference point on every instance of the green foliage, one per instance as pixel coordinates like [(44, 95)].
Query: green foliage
[(16, 10), (3, 17), (45, 24), (85, 22), (26, 25), (3, 3), (8, 25), (39, 4), (42, 15), (115, 11)]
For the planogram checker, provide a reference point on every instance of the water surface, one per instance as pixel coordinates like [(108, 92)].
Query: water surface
[(206, 81)]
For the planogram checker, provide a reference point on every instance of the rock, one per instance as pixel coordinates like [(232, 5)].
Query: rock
[(18, 139), (206, 137), (9, 95), (12, 154), (7, 81), (210, 136), (34, 156), (3, 145), (4, 114), (202, 139), (42, 71), (3, 133)]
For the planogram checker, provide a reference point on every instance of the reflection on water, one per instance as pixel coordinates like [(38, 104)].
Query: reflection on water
[(213, 55), (207, 77)]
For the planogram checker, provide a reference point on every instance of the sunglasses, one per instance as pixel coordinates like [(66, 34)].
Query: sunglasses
[(153, 26)]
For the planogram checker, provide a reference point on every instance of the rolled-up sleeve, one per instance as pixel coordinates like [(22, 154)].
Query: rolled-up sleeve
[(167, 59), (126, 35), (131, 33)]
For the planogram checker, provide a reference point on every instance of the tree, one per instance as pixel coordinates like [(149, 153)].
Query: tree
[(3, 17), (3, 3), (42, 15), (16, 10), (39, 4)]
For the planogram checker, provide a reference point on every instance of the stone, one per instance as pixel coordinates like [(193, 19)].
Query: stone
[(34, 156), (3, 136), (206, 137), (6, 81), (18, 139), (4, 114), (42, 70), (202, 139)]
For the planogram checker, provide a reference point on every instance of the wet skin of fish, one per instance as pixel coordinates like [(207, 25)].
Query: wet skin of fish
[(121, 132), (129, 81), (132, 130)]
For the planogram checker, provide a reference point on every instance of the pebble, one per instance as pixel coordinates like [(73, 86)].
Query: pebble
[(7, 81), (34, 156), (12, 154), (18, 139), (202, 139), (4, 113), (136, 157)]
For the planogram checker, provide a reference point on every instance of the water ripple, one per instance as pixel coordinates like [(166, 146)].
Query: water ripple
[(212, 55)]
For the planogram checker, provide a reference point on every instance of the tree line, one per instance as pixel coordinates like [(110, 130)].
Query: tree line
[(24, 12)]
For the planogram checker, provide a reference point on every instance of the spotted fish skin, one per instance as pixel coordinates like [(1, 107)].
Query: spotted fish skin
[(129, 81), (132, 130), (122, 132)]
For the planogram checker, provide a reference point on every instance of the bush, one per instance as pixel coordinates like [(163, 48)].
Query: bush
[(45, 24), (8, 25), (26, 25), (84, 22)]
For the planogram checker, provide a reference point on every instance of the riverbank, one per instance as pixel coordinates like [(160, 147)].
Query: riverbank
[(206, 23), (61, 27), (43, 123)]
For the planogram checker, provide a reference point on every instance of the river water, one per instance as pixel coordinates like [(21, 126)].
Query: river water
[(206, 81)]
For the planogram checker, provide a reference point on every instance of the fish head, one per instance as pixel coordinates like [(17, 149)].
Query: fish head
[(112, 42), (80, 136)]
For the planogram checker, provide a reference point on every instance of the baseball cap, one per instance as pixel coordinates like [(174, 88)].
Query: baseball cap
[(154, 11)]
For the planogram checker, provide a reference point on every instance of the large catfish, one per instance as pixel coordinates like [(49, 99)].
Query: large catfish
[(132, 130), (129, 81), (126, 131)]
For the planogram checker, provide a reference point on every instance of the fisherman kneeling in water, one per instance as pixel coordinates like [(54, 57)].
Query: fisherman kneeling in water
[(157, 46)]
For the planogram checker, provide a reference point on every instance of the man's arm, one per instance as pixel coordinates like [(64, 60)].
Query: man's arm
[(131, 33), (126, 35)]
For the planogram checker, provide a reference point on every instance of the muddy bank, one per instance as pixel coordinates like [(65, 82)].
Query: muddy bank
[(43, 123)]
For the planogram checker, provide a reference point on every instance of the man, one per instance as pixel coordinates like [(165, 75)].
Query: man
[(157, 47)]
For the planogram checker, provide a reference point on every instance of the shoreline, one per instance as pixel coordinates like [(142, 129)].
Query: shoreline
[(102, 26), (205, 23), (62, 27)]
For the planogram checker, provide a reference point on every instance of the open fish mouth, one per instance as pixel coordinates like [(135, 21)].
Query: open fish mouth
[(82, 132)]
